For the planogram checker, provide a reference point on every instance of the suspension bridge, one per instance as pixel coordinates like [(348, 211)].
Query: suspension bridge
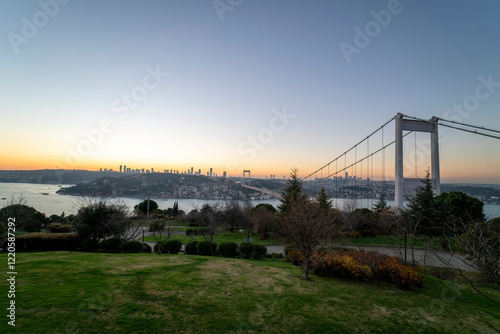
[(351, 175)]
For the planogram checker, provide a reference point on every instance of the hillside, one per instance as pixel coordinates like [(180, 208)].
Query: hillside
[(162, 185)]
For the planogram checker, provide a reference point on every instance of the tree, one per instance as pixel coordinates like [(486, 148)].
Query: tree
[(233, 215), (480, 241), (146, 206), (97, 219), (293, 192), (27, 217), (175, 209), (308, 229), (268, 206), (422, 210), (459, 206), (264, 221), (380, 205), (211, 218), (161, 226), (322, 200)]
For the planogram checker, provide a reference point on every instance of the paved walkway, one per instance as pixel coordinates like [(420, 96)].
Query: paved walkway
[(422, 257)]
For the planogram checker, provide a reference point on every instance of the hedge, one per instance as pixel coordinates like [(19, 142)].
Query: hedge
[(47, 242)]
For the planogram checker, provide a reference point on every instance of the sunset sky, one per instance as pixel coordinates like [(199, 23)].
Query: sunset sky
[(244, 84)]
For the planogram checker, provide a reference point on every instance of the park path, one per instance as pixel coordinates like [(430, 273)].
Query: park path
[(422, 257)]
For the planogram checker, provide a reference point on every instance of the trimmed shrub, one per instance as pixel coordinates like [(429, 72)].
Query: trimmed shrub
[(294, 257), (247, 250), (132, 246), (403, 275), (203, 248), (189, 231), (89, 245), (171, 246), (274, 256), (259, 252), (366, 266), (190, 248), (46, 242), (228, 249), (59, 228), (286, 251), (111, 245), (146, 248)]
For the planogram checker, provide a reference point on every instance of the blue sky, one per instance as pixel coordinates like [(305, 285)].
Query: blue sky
[(229, 78)]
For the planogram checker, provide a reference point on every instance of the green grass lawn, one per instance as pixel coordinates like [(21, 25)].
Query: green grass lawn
[(218, 238), (71, 292)]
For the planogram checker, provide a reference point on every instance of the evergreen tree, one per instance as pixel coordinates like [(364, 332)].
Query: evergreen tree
[(380, 205), (323, 202), (422, 210), (175, 209), (293, 192)]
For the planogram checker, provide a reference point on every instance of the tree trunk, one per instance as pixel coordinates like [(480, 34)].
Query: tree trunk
[(306, 269)]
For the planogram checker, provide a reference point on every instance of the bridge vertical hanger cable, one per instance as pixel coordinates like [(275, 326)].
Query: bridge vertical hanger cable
[(356, 172), (345, 179), (361, 182), (416, 174), (368, 166), (336, 182), (383, 164)]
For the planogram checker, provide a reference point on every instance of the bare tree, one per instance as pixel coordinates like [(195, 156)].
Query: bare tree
[(264, 222), (407, 227), (480, 243), (309, 230), (161, 227), (350, 215), (211, 219)]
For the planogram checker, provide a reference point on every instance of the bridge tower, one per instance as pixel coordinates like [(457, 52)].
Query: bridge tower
[(401, 182), (249, 177)]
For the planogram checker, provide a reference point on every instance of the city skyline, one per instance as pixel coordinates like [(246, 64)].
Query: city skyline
[(250, 86)]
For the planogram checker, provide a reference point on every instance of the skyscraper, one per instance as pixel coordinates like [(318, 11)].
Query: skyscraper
[(120, 168), (210, 171)]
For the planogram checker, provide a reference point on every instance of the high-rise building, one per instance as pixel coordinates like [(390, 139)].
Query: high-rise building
[(120, 168), (210, 171), (124, 168), (152, 170), (224, 174)]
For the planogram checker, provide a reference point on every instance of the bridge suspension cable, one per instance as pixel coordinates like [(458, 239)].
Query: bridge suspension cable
[(349, 150), (443, 121)]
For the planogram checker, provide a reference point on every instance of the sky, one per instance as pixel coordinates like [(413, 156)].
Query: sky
[(239, 85)]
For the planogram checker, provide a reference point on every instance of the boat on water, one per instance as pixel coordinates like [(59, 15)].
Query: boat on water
[(4, 198), (45, 193)]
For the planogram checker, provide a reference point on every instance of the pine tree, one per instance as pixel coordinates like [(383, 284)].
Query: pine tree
[(422, 209), (380, 205), (293, 192), (323, 202)]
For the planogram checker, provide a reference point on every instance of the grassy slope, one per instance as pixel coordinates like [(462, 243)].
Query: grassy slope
[(67, 292)]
